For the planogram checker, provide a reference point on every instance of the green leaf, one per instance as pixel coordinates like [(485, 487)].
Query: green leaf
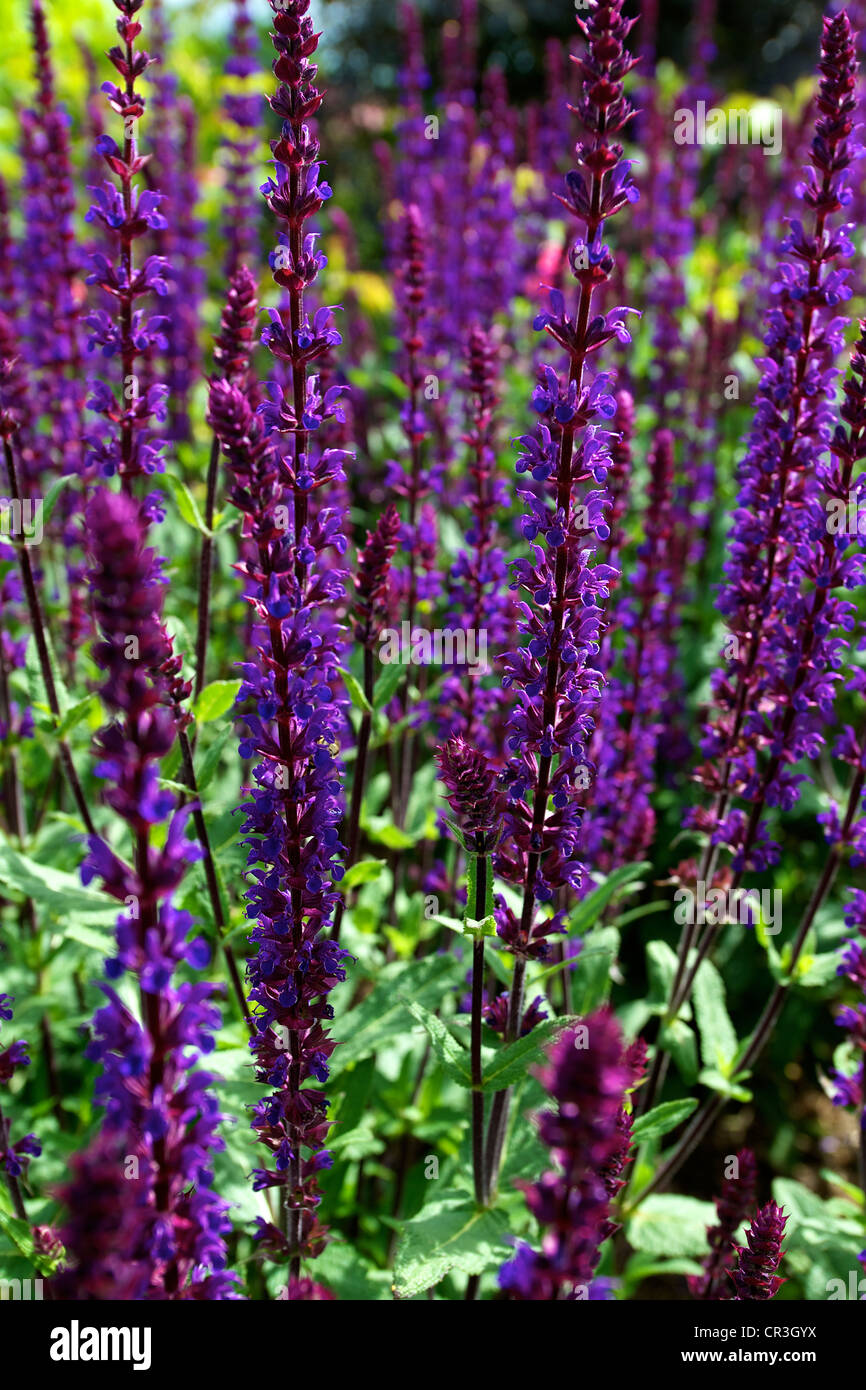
[(661, 967), (94, 940), (453, 1057), (679, 1040), (383, 831), (382, 1014), (510, 1063), (718, 1036), (37, 693), (590, 909), (365, 871), (670, 1225), (355, 692), (216, 700), (21, 1236), (58, 893), (591, 975), (854, 1193), (661, 1119), (50, 501), (725, 1085), (186, 504), (644, 1265), (77, 713), (816, 972), (388, 683), (449, 1235), (204, 773)]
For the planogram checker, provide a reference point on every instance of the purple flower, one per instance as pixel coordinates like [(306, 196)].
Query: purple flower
[(554, 674), (732, 1207), (371, 579), (14, 1156), (471, 792), (288, 697), (160, 1113), (243, 110), (755, 1275), (776, 689), (122, 443), (587, 1077)]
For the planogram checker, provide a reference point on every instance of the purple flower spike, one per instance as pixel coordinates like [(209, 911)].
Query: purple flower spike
[(160, 1127), (587, 1077), (755, 1276), (294, 719), (732, 1206)]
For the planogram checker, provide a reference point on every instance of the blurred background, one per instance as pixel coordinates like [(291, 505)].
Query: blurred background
[(760, 49)]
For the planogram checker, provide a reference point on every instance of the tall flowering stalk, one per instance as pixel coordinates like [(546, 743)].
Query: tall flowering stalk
[(755, 1276), (122, 443), (843, 827), (295, 804), (478, 596), (14, 1154), (161, 1117), (233, 348), (567, 459), (783, 640), (793, 422), (732, 1207), (14, 407), (243, 111), (621, 818), (473, 797), (49, 264), (587, 1077), (371, 608)]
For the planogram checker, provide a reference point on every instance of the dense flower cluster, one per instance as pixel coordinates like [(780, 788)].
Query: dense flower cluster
[(122, 443), (556, 683), (587, 1077), (159, 1112), (465, 708), (782, 661), (732, 1207), (292, 817), (755, 1276), (14, 1154)]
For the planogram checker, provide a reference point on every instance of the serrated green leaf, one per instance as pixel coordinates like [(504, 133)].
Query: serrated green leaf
[(450, 1235), (452, 1056), (382, 1014), (510, 1063), (58, 893), (671, 1225)]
